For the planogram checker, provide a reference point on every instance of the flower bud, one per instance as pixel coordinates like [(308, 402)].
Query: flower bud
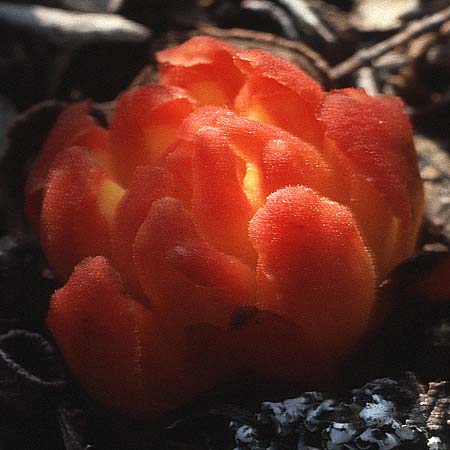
[(233, 217)]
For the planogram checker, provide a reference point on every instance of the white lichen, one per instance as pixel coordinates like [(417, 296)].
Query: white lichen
[(313, 415), (370, 421), (289, 413), (245, 434), (385, 441), (339, 433), (435, 443), (407, 433), (377, 413)]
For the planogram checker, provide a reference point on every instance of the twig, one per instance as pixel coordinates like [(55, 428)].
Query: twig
[(365, 56), (71, 28), (68, 31), (271, 43), (306, 18), (107, 6), (275, 11), (366, 79)]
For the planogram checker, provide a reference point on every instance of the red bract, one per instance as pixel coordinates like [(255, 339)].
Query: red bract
[(234, 217)]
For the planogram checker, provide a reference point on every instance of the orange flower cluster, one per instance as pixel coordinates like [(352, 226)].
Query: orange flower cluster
[(234, 216)]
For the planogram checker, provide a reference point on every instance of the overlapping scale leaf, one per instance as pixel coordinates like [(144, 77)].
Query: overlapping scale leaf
[(204, 67), (148, 184), (313, 267), (377, 143), (144, 124), (78, 205), (73, 120), (182, 273), (121, 346), (279, 93), (66, 184)]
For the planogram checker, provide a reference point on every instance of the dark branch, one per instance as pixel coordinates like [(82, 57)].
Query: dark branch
[(366, 56), (69, 27)]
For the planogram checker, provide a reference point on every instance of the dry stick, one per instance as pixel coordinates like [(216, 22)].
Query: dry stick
[(271, 41), (280, 14), (101, 6), (69, 27), (68, 31), (365, 56), (306, 17)]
